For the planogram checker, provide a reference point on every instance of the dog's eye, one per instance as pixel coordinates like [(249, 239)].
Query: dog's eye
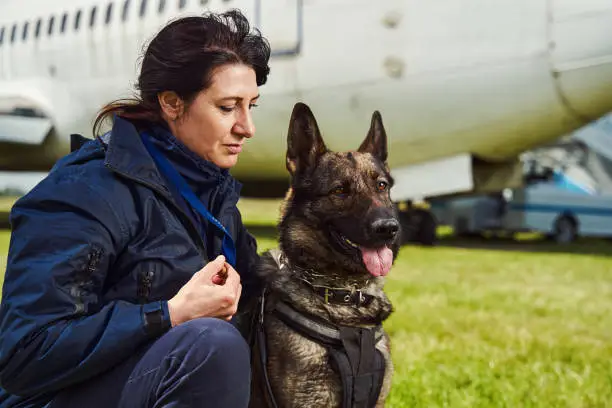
[(339, 191), (382, 185)]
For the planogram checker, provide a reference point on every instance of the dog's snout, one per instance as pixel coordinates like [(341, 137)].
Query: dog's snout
[(385, 228)]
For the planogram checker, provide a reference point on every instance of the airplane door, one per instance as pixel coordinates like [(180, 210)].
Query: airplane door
[(3, 53), (246, 7), (281, 23), (581, 55)]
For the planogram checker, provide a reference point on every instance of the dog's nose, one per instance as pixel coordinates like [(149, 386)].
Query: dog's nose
[(385, 228)]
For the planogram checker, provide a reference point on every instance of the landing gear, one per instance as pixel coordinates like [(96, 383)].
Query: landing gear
[(418, 225)]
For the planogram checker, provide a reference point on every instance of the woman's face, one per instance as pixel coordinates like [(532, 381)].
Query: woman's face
[(218, 121)]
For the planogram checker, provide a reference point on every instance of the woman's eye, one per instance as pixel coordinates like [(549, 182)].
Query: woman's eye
[(382, 185), (232, 108)]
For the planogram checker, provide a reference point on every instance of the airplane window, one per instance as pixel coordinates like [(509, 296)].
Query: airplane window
[(126, 7), (64, 21), (1, 34), (13, 32), (77, 20), (50, 28), (37, 29), (162, 6), (143, 7), (203, 2), (182, 4), (92, 16), (109, 12), (24, 35)]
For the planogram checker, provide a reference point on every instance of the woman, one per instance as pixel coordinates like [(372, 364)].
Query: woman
[(123, 269)]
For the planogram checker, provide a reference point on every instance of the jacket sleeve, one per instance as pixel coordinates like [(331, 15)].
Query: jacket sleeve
[(55, 330)]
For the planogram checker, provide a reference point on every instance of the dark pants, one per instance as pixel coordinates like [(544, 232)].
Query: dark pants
[(200, 363)]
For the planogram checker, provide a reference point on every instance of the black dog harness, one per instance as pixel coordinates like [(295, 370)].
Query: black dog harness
[(352, 350)]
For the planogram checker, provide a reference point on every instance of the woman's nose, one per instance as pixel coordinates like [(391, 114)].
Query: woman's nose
[(245, 126)]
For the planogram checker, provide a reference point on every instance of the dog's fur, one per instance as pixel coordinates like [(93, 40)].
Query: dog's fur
[(332, 196)]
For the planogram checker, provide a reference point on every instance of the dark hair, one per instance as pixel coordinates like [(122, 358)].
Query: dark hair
[(182, 57)]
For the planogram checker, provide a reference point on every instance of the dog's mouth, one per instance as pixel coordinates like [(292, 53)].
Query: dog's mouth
[(377, 261)]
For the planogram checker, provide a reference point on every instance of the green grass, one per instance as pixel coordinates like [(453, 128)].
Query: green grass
[(500, 328), (259, 212), (6, 203), (491, 323)]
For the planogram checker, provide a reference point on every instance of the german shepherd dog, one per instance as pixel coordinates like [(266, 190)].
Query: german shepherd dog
[(338, 238)]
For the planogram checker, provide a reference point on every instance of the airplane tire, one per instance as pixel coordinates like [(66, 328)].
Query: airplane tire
[(565, 230), (418, 226), (427, 229), (408, 227)]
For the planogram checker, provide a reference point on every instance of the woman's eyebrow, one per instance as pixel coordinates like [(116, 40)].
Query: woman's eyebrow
[(236, 98)]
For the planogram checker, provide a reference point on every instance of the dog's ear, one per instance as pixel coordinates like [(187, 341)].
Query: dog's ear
[(304, 142), (376, 140)]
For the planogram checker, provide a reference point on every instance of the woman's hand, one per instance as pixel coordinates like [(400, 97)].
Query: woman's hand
[(207, 294)]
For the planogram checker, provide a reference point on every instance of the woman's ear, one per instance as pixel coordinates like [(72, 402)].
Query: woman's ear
[(171, 105)]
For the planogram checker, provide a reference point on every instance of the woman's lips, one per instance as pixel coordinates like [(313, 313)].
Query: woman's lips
[(234, 148)]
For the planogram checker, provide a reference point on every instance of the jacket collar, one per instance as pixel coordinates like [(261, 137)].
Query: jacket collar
[(127, 154), (201, 175)]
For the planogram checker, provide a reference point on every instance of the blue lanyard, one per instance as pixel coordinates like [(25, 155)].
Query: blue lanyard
[(228, 247)]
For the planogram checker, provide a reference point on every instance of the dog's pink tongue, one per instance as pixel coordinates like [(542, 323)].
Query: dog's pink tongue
[(378, 261)]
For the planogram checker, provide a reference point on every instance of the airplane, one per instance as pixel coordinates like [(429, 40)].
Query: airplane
[(463, 86)]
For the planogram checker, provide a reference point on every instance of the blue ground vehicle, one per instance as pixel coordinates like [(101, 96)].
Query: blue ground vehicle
[(567, 193)]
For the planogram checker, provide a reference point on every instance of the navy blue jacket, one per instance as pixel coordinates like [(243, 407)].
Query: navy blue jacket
[(97, 249)]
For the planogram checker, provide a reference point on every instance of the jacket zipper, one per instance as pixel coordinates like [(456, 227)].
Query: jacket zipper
[(144, 288), (83, 279), (94, 260)]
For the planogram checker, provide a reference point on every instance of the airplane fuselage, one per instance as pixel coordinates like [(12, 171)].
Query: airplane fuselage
[(487, 78)]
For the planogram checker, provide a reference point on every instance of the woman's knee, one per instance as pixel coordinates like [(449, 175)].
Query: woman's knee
[(214, 342), (211, 329), (203, 359)]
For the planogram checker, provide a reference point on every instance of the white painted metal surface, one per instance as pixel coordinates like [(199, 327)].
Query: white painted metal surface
[(484, 77), (32, 130), (434, 178)]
